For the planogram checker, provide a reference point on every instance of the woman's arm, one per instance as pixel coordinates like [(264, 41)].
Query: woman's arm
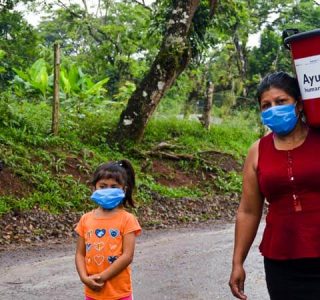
[(91, 281), (247, 221), (124, 260)]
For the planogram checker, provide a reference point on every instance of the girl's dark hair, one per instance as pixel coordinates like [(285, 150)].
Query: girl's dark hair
[(122, 172), (282, 81)]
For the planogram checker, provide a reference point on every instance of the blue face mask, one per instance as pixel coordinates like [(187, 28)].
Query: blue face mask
[(281, 119), (108, 198)]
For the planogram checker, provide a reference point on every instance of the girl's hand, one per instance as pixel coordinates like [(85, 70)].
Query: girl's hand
[(236, 283), (94, 282)]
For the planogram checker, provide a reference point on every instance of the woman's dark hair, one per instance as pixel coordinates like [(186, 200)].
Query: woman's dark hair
[(122, 172), (282, 81)]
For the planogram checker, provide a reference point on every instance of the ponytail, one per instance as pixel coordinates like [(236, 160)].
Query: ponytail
[(131, 182)]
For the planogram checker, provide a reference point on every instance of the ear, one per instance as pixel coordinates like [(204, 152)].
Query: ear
[(299, 105)]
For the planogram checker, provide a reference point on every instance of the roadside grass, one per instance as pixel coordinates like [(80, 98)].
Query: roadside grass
[(233, 136), (40, 159)]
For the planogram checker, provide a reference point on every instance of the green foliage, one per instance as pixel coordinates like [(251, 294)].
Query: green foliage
[(174, 101), (21, 116), (78, 90), (75, 83), (35, 78), (270, 56), (232, 136), (104, 57), (4, 204), (7, 5), (179, 192), (18, 40), (303, 15), (230, 182), (91, 127), (114, 45), (41, 161), (2, 55), (125, 91), (25, 154), (165, 191)]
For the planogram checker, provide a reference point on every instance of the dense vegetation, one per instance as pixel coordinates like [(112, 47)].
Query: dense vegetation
[(53, 171), (106, 54)]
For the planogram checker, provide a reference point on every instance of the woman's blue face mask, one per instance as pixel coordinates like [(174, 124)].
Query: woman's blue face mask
[(108, 198), (281, 119)]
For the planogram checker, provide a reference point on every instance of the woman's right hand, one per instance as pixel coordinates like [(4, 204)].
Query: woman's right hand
[(236, 282), (94, 282)]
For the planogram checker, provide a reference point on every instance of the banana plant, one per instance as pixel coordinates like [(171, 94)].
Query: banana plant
[(35, 78), (75, 82), (78, 88), (70, 78)]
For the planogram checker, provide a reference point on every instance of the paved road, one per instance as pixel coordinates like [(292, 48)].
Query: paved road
[(175, 264)]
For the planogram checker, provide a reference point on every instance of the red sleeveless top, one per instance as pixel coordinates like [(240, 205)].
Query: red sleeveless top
[(290, 182)]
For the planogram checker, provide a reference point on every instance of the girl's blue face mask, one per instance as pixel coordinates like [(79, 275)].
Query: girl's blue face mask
[(108, 198), (281, 119)]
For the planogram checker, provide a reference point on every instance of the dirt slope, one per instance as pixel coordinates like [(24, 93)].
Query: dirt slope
[(38, 226)]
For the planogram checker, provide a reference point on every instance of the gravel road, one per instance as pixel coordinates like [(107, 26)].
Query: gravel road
[(169, 264)]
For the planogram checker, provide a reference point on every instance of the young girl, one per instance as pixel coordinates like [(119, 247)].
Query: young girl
[(106, 235)]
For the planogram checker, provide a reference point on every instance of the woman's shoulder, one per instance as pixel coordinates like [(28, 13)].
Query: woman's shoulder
[(254, 147), (265, 138), (253, 154)]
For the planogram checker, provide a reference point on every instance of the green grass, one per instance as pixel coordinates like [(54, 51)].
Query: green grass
[(233, 136), (39, 158), (170, 192)]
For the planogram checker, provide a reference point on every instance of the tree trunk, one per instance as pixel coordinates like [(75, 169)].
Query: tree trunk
[(172, 59), (192, 98), (241, 59), (55, 106), (206, 119)]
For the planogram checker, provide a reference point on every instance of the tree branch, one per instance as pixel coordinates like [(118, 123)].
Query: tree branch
[(85, 6), (61, 4), (142, 4), (91, 29), (98, 8), (213, 6)]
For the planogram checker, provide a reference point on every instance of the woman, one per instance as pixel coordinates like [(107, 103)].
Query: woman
[(282, 168)]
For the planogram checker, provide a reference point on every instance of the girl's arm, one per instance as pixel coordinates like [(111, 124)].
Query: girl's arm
[(247, 222), (91, 281), (128, 245)]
